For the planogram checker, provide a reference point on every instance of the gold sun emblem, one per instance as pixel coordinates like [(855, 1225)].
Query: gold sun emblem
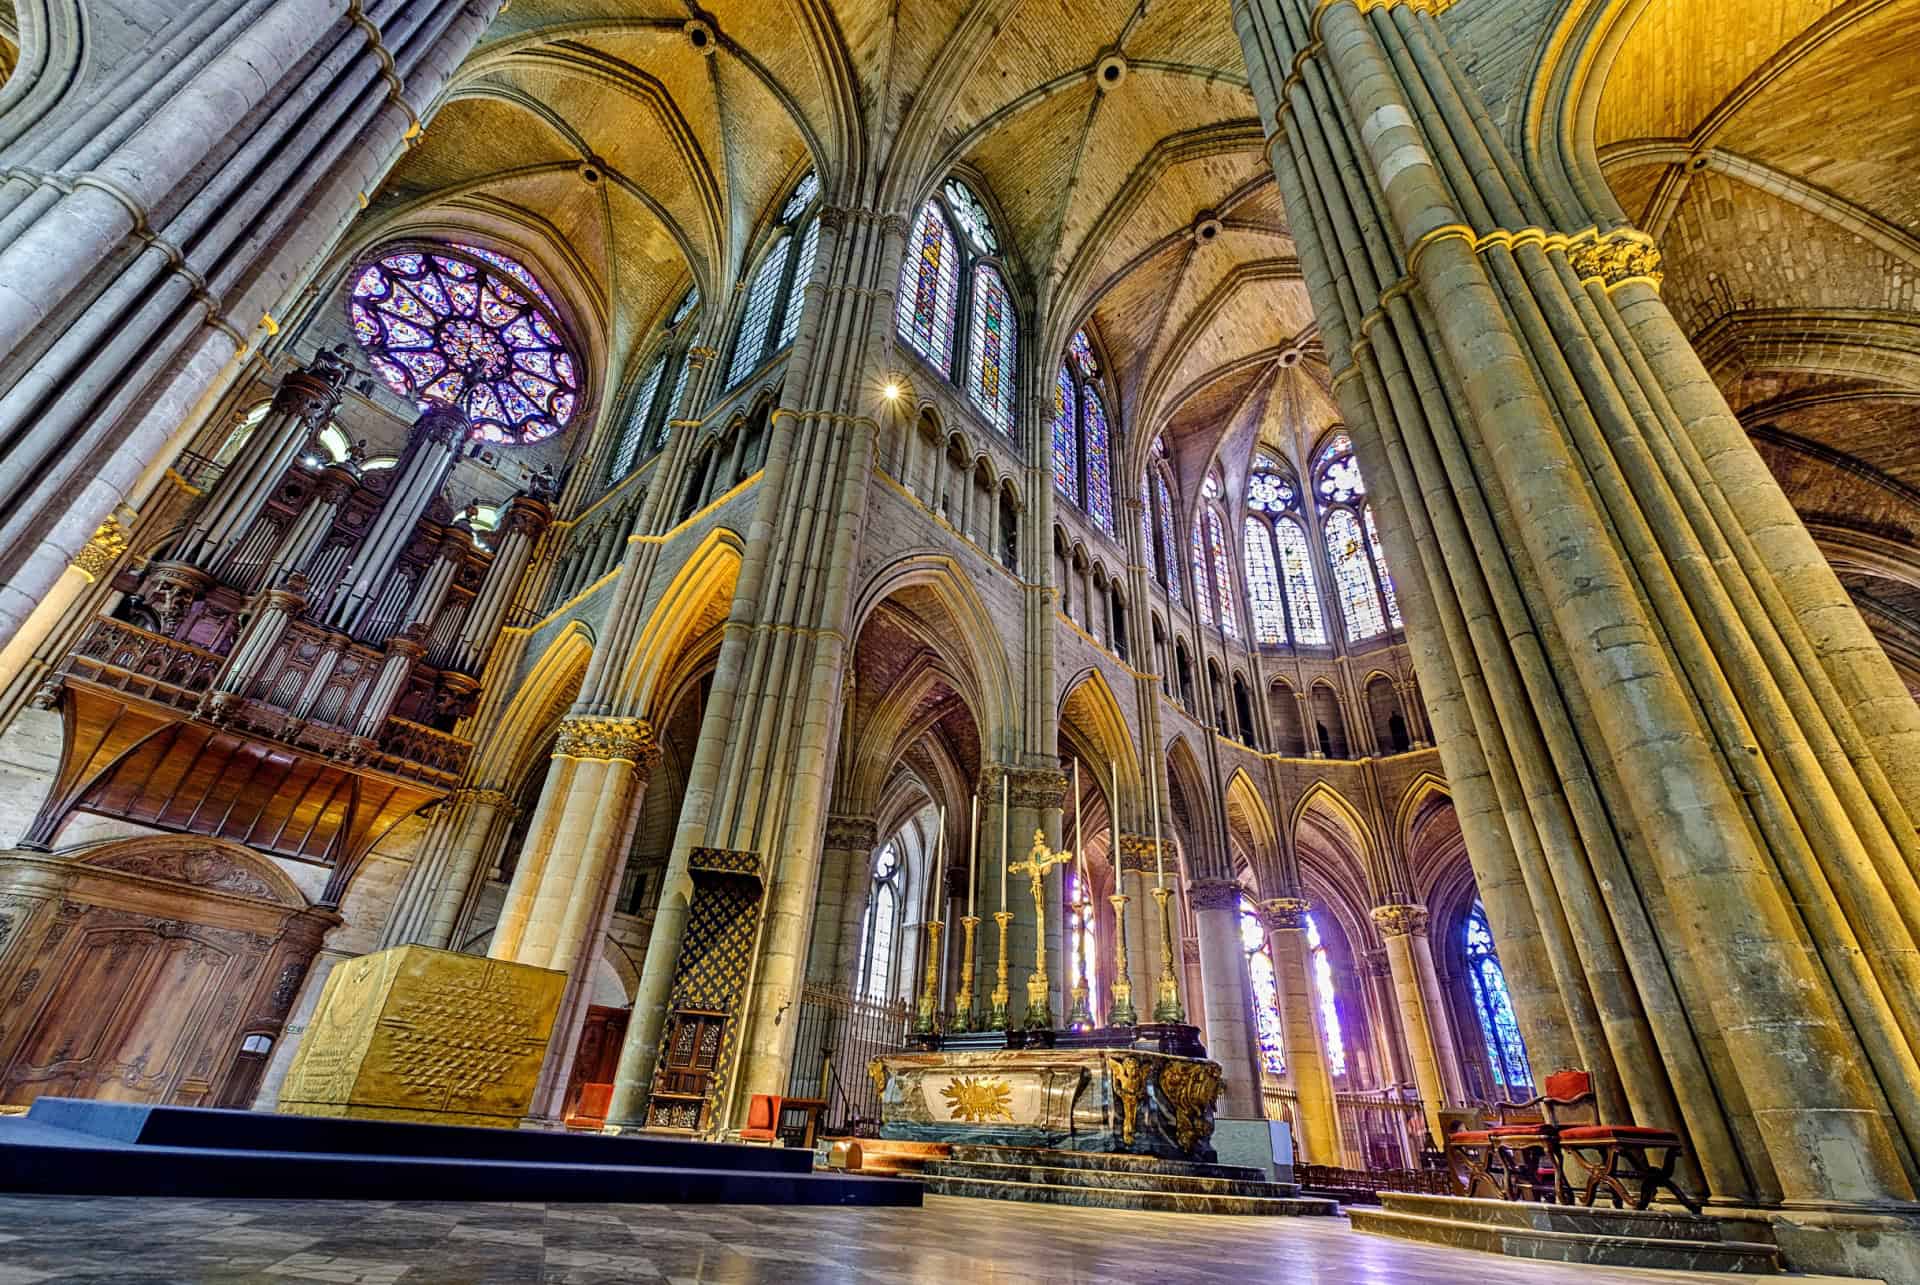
[(978, 1101)]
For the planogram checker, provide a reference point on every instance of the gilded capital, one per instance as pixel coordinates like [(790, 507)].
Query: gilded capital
[(618, 740), (102, 550), (1286, 912), (1617, 258), (1137, 853), (1400, 921)]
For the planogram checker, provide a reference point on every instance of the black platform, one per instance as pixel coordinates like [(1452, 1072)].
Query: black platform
[(1149, 1037), (79, 1148)]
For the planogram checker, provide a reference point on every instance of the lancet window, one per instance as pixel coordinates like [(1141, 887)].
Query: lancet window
[(1163, 517), (1083, 434), (774, 300), (1266, 990), (461, 325), (1360, 580), (952, 289), (655, 400), (1506, 1051), (880, 930), (1324, 991), (1280, 587), (1081, 938)]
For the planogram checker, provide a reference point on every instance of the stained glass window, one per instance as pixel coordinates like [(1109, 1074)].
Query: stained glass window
[(972, 215), (930, 290), (1296, 571), (469, 327), (1222, 574), (990, 360), (797, 292), (1147, 546), (673, 407), (627, 450), (1380, 564), (761, 298), (879, 931), (1353, 577), (1263, 585), (1266, 992), (1329, 1009), (688, 302), (1271, 493), (1066, 442), (1169, 547), (803, 193), (1082, 352), (1080, 940), (1338, 473), (1202, 586), (1099, 499), (1506, 1051)]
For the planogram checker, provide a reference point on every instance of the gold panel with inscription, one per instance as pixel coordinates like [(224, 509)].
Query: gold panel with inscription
[(433, 1036)]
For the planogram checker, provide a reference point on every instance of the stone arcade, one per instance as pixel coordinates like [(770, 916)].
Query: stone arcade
[(674, 574)]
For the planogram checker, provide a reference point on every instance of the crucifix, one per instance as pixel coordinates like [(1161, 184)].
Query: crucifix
[(1040, 860)]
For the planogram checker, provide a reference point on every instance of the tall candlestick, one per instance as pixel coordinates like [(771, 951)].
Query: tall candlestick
[(1006, 853), (1113, 820), (1153, 793), (1079, 836), (973, 856)]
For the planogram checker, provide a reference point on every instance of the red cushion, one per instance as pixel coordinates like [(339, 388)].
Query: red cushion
[(1564, 1086), (1468, 1138), (1617, 1133)]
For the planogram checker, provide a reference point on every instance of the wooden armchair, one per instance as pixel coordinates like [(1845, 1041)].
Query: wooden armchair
[(1507, 1157), (1613, 1155)]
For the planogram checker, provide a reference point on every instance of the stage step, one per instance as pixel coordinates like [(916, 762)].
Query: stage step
[(207, 1154), (1091, 1179), (1569, 1234)]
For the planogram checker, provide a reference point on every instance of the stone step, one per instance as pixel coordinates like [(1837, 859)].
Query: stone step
[(1111, 1179), (1106, 1160), (1161, 1202), (1660, 1224), (1597, 1250)]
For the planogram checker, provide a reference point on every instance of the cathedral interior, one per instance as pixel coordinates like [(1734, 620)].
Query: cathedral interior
[(1376, 536)]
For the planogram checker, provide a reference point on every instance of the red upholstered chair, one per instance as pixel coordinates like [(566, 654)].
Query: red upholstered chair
[(1613, 1155), (763, 1119)]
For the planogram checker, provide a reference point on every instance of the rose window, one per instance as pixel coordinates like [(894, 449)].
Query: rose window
[(464, 326)]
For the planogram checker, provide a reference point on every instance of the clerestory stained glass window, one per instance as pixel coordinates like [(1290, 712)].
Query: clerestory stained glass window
[(1169, 546), (972, 215), (1338, 473), (1082, 352), (633, 436), (930, 290), (1066, 441), (1263, 585), (1080, 939), (1202, 583), (1329, 1008), (1222, 574), (1353, 577), (673, 407), (797, 291), (1149, 550), (465, 326), (761, 300), (990, 356), (1506, 1051), (1099, 497), (1266, 991), (1296, 572), (1380, 563)]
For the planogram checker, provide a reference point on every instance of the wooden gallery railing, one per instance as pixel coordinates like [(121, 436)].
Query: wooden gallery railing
[(839, 1033)]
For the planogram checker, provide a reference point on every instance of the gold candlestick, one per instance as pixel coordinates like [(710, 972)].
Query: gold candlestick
[(1000, 1019), (1122, 1012), (927, 1021), (1039, 860), (963, 1001), (1167, 1008), (1081, 1016)]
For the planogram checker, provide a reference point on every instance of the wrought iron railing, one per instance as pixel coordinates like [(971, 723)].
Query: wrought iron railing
[(1381, 1128), (839, 1033)]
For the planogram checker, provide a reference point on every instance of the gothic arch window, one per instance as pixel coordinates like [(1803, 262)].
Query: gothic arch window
[(656, 398), (1202, 581), (1081, 937), (1222, 566), (1506, 1051), (1323, 990), (461, 325), (1266, 990), (1163, 516), (1280, 588), (880, 930), (779, 284), (952, 287), (1360, 581), (1083, 434)]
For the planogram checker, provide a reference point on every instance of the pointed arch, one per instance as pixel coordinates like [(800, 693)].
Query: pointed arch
[(1090, 706), (542, 698), (1250, 821), (694, 604)]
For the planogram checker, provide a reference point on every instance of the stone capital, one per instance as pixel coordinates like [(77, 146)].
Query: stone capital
[(1617, 258), (1400, 920), (1042, 787), (1137, 854), (1286, 913), (102, 550), (859, 834), (1214, 894), (478, 797), (617, 740)]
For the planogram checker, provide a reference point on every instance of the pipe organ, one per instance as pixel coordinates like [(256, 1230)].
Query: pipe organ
[(289, 672)]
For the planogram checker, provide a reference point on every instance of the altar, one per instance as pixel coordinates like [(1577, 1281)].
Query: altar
[(1116, 1100)]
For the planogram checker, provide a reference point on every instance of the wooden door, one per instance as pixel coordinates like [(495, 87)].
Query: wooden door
[(594, 1063)]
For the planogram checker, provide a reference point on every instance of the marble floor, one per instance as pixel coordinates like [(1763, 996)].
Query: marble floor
[(950, 1242)]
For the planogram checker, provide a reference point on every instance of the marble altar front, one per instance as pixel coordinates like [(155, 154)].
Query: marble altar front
[(1113, 1100)]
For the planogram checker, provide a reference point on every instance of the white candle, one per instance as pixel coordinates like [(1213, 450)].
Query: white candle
[(1079, 838), (1113, 824), (973, 856), (1006, 856), (1153, 793), (940, 868)]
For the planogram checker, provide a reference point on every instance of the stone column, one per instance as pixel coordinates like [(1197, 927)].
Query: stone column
[(465, 829), (1403, 929), (1378, 975), (1316, 1122), (1226, 996), (841, 900), (1135, 879), (1682, 741)]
